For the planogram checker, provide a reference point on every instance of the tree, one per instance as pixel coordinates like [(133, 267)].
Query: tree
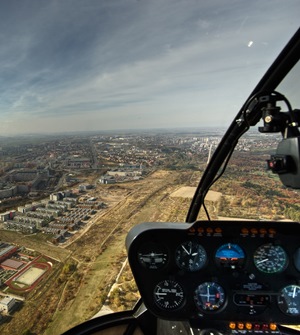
[(27, 332)]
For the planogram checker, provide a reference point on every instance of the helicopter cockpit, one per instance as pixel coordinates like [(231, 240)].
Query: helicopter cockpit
[(222, 276)]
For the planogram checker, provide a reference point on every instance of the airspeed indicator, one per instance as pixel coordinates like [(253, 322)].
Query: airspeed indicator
[(269, 258)]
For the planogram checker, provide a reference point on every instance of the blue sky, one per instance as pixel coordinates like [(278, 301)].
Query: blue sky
[(130, 64)]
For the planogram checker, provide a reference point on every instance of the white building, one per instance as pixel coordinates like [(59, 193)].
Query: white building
[(7, 304)]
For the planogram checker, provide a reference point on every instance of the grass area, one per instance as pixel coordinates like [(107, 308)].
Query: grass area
[(92, 290), (35, 242)]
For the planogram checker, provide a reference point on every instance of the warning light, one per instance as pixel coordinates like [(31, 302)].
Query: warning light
[(263, 231), (232, 325), (248, 325), (254, 231), (273, 326), (265, 327), (245, 231), (240, 326)]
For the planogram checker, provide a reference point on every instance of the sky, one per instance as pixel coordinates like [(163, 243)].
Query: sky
[(73, 65)]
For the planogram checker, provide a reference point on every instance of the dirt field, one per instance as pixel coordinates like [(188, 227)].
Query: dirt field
[(189, 191)]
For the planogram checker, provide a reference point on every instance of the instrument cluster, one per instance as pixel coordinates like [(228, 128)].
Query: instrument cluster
[(218, 270)]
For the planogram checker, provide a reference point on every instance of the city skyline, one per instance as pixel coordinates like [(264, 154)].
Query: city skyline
[(105, 65)]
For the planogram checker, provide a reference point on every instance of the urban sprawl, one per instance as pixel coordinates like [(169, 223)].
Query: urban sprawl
[(46, 188)]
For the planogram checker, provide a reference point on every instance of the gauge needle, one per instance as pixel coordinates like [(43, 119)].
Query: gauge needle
[(157, 293), (263, 260), (185, 250), (195, 253), (294, 293)]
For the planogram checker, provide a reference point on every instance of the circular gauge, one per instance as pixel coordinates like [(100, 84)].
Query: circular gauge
[(209, 296), (152, 255), (230, 255), (270, 258), (289, 300), (190, 256), (297, 259), (168, 294)]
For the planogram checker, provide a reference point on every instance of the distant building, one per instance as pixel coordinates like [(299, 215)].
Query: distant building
[(107, 180), (8, 192), (6, 251), (7, 215), (56, 196), (24, 175), (11, 264), (85, 187), (7, 305), (78, 162)]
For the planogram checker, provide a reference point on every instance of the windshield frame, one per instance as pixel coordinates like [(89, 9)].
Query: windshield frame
[(285, 61)]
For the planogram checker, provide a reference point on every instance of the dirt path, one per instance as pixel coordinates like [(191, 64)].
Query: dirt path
[(101, 251)]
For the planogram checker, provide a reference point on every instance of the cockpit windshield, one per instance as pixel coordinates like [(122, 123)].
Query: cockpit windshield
[(110, 114)]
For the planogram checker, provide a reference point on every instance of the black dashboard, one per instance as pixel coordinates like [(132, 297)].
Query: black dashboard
[(218, 270)]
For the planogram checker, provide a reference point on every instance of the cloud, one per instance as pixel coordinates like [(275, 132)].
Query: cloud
[(133, 63)]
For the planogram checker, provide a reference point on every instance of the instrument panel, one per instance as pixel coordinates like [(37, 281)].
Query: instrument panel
[(218, 270)]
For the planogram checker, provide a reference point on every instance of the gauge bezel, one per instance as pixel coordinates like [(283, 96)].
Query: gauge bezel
[(280, 303), (181, 301), (152, 246), (297, 259), (183, 254), (219, 307), (233, 265), (277, 266)]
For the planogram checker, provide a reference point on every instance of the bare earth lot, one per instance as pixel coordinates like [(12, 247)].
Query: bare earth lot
[(77, 288), (189, 191)]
